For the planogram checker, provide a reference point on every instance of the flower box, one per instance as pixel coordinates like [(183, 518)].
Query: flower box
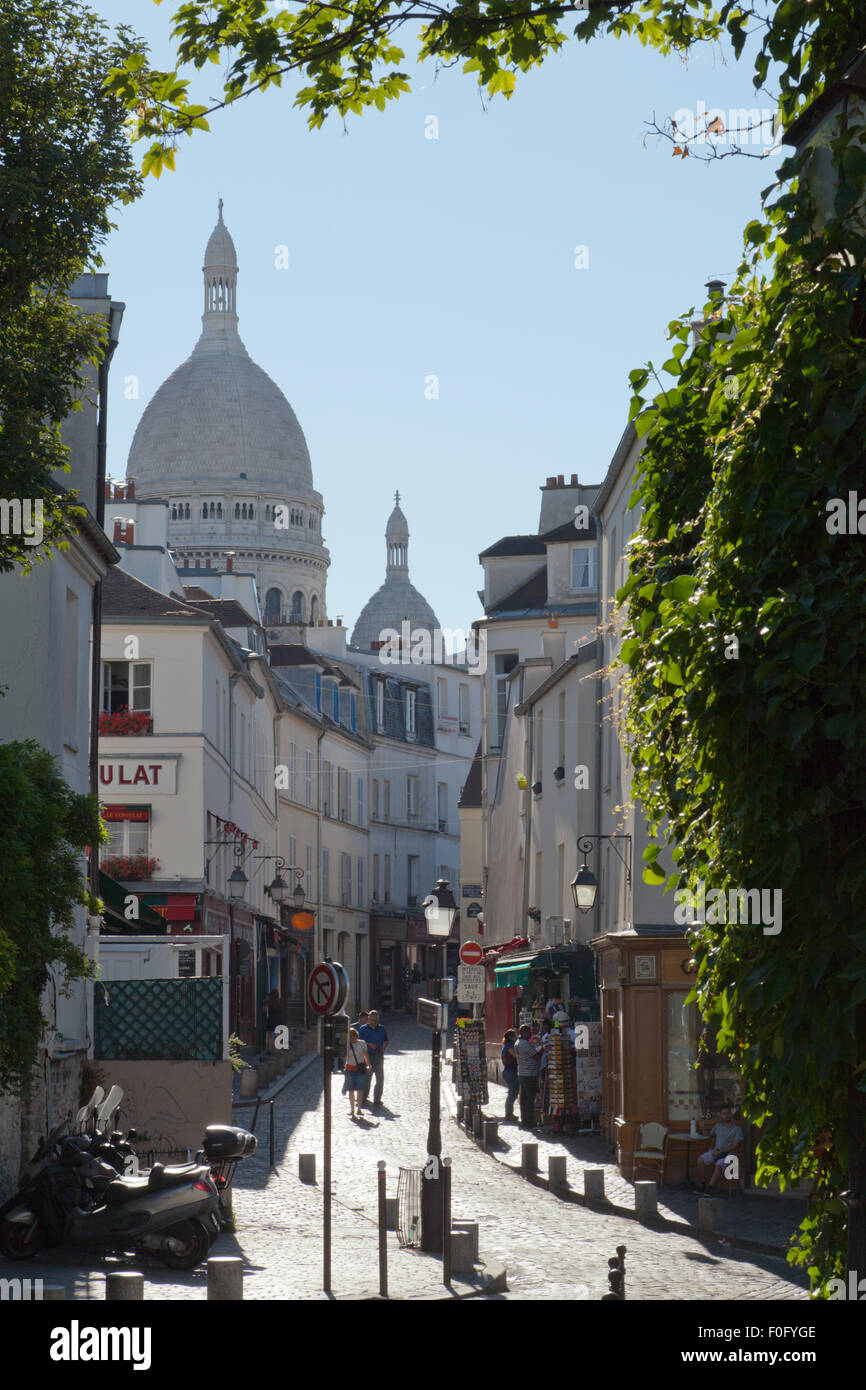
[(124, 721)]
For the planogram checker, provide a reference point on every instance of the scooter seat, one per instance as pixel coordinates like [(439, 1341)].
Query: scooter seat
[(161, 1176), (124, 1190)]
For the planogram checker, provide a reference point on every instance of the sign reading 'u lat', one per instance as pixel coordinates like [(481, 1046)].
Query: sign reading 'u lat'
[(156, 776)]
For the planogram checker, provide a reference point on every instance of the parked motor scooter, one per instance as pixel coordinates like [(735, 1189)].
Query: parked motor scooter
[(70, 1197)]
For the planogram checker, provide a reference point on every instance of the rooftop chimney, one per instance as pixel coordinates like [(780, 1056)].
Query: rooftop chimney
[(553, 643), (230, 561), (118, 527), (574, 480), (130, 488), (130, 532)]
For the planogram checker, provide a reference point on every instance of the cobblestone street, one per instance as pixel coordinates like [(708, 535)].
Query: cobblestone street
[(552, 1249)]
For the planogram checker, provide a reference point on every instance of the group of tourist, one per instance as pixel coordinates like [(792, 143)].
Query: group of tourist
[(365, 1058), (525, 1055)]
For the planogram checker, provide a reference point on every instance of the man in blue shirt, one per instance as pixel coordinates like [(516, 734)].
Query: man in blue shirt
[(375, 1036)]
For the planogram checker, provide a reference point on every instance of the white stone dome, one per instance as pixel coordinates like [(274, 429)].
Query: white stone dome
[(219, 415), (397, 600)]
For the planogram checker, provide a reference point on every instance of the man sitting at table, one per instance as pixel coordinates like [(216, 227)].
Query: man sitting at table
[(726, 1138)]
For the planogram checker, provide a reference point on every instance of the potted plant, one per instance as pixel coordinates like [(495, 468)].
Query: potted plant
[(129, 867), (124, 721)]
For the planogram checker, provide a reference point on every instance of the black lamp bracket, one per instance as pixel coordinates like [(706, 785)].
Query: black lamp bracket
[(586, 845)]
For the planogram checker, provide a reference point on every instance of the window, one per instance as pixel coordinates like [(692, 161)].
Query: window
[(346, 879), (126, 838), (386, 793), (174, 513), (219, 511), (463, 716), (298, 607), (441, 696), (412, 798), (237, 511), (380, 706), (308, 778), (118, 677), (583, 567), (374, 800), (348, 795), (273, 606), (326, 876), (332, 810), (352, 713), (684, 1100), (309, 873), (186, 512), (359, 880), (327, 808), (293, 854), (502, 665), (411, 699), (293, 770), (412, 863), (359, 799), (387, 892), (314, 611), (336, 703), (442, 804), (375, 877)]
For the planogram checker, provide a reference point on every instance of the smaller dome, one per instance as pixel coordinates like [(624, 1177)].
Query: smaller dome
[(397, 600), (220, 250)]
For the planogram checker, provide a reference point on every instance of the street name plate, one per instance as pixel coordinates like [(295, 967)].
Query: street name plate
[(470, 984)]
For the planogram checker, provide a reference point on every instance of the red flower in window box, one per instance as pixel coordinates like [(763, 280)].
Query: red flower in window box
[(125, 721), (129, 867)]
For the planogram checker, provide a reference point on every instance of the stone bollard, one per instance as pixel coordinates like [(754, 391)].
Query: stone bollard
[(471, 1228), (491, 1134), (391, 1213), (123, 1285), (462, 1253), (557, 1175), (249, 1083), (55, 1291), (225, 1277), (528, 1158), (477, 1122), (646, 1200), (708, 1210), (460, 1109), (593, 1184), (307, 1167)]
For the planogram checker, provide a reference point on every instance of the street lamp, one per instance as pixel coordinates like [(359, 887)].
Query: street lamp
[(584, 885), (440, 910)]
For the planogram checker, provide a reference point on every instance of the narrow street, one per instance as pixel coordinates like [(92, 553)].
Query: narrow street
[(551, 1249)]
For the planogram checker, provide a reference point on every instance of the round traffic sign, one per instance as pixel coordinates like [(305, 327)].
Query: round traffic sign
[(323, 988), (471, 953)]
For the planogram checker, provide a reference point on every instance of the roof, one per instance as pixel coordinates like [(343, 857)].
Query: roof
[(532, 593), (569, 532), (854, 79), (589, 651), (294, 654), (514, 545), (124, 596), (227, 611), (471, 792)]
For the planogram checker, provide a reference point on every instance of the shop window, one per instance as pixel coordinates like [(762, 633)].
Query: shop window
[(684, 1101)]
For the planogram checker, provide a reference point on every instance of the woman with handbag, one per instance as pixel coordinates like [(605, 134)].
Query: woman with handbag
[(356, 1068)]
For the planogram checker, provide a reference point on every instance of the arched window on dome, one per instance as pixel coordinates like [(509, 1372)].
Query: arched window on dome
[(273, 604), (252, 513), (314, 610), (312, 521), (186, 511), (244, 512), (219, 511), (204, 511), (298, 607), (267, 511), (174, 513), (237, 511)]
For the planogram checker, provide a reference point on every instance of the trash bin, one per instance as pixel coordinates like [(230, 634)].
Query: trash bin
[(409, 1206)]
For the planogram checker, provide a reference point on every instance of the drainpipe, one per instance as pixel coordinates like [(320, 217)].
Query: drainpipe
[(318, 930), (235, 676), (598, 723), (527, 843)]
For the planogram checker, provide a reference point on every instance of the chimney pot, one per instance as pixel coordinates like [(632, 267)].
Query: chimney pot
[(130, 488), (551, 482), (117, 529), (560, 482), (108, 489), (130, 532), (574, 480)]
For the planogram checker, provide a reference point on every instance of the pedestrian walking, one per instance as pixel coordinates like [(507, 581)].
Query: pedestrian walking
[(527, 1053), (356, 1068), (273, 1017), (509, 1073), (375, 1036)]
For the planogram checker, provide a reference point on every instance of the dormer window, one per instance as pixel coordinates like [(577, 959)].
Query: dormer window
[(583, 567), (380, 706), (411, 702)]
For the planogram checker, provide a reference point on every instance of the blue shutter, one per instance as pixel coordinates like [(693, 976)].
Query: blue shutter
[(336, 703), (318, 691), (352, 711)]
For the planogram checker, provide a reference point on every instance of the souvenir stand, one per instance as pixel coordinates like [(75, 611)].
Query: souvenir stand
[(588, 1076), (561, 1079), (472, 1064)]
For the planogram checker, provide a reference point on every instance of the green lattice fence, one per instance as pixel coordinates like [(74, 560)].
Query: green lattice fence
[(159, 1020)]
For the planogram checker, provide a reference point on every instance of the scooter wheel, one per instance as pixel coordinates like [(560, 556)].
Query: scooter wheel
[(193, 1251), (19, 1241)]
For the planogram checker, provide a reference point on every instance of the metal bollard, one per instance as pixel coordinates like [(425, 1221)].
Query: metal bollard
[(528, 1158), (491, 1134), (249, 1082), (383, 1230), (391, 1213), (616, 1277), (470, 1227), (307, 1167), (646, 1200), (557, 1174), (446, 1222), (477, 1122), (272, 1137), (225, 1277), (123, 1285), (593, 1184)]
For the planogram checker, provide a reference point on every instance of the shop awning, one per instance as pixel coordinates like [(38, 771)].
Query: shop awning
[(517, 973), (114, 897)]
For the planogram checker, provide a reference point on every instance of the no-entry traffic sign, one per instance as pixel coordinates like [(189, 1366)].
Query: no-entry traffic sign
[(471, 953), (323, 988)]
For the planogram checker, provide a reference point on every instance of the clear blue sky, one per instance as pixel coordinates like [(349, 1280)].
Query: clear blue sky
[(452, 257)]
